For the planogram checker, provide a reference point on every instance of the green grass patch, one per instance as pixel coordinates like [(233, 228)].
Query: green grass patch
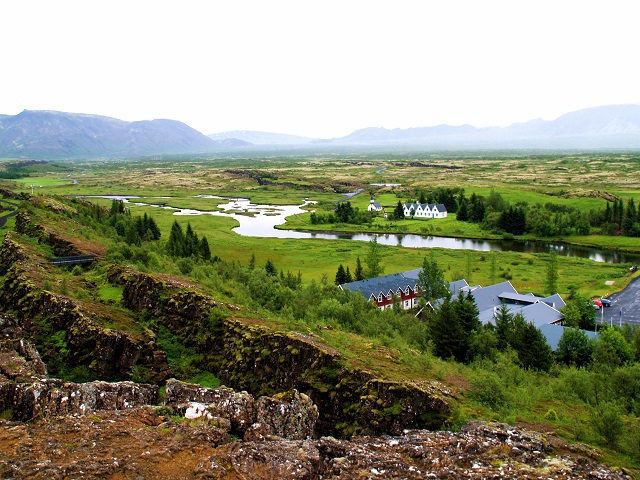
[(205, 379), (110, 293)]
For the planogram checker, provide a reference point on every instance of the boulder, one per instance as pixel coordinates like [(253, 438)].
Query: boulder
[(52, 397), (289, 415), (238, 408)]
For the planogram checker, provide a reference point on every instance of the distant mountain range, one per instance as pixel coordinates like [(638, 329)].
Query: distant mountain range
[(615, 126), (49, 134)]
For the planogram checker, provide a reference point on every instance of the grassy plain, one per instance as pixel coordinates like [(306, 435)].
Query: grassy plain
[(579, 180), (576, 180)]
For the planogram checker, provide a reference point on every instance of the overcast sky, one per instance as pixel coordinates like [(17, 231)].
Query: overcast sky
[(318, 68)]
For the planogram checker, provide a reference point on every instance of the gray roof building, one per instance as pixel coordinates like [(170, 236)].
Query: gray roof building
[(553, 334)]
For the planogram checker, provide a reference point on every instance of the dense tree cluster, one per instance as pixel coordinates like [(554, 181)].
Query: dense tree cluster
[(136, 229), (344, 213), (444, 195), (549, 219), (187, 244), (343, 275), (451, 327)]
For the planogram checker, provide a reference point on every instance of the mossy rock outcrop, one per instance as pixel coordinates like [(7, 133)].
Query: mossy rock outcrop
[(108, 354), (248, 355), (10, 252)]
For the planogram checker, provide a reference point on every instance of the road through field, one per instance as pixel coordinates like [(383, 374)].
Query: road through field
[(4, 218)]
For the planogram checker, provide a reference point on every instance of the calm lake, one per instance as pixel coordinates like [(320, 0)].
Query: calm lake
[(261, 220)]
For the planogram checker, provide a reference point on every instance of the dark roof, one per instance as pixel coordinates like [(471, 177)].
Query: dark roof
[(431, 206), (488, 297), (555, 301), (553, 334), (518, 297), (375, 286), (440, 207)]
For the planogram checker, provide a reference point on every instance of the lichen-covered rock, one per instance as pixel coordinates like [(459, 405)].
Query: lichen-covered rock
[(249, 356), (140, 291), (480, 451), (397, 406), (51, 397), (20, 361), (352, 401), (289, 415), (237, 407)]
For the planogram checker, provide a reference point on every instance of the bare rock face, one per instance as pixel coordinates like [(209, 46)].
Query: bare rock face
[(290, 415), (52, 398)]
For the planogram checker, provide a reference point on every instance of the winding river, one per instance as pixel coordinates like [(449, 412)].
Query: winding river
[(261, 220)]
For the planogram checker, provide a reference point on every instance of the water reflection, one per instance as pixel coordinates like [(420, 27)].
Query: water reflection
[(261, 220)]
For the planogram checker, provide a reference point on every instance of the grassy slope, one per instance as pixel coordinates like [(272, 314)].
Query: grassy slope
[(531, 397)]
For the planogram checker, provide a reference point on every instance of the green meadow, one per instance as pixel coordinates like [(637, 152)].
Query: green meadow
[(572, 180), (388, 343)]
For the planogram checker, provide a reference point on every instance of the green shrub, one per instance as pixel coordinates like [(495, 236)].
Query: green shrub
[(607, 421), (487, 388)]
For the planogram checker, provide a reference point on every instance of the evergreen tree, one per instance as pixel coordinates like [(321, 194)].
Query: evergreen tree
[(431, 280), (348, 278), (422, 198), (476, 208), (447, 333), (398, 212), (359, 272), (270, 268), (131, 235), (117, 207), (373, 259), (203, 250), (463, 210), (467, 315), (552, 273), (150, 225), (504, 326), (191, 242), (175, 244), (629, 219), (340, 275), (252, 262), (530, 344), (608, 214)]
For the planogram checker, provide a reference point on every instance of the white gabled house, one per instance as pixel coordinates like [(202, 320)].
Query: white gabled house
[(425, 210), (374, 206)]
